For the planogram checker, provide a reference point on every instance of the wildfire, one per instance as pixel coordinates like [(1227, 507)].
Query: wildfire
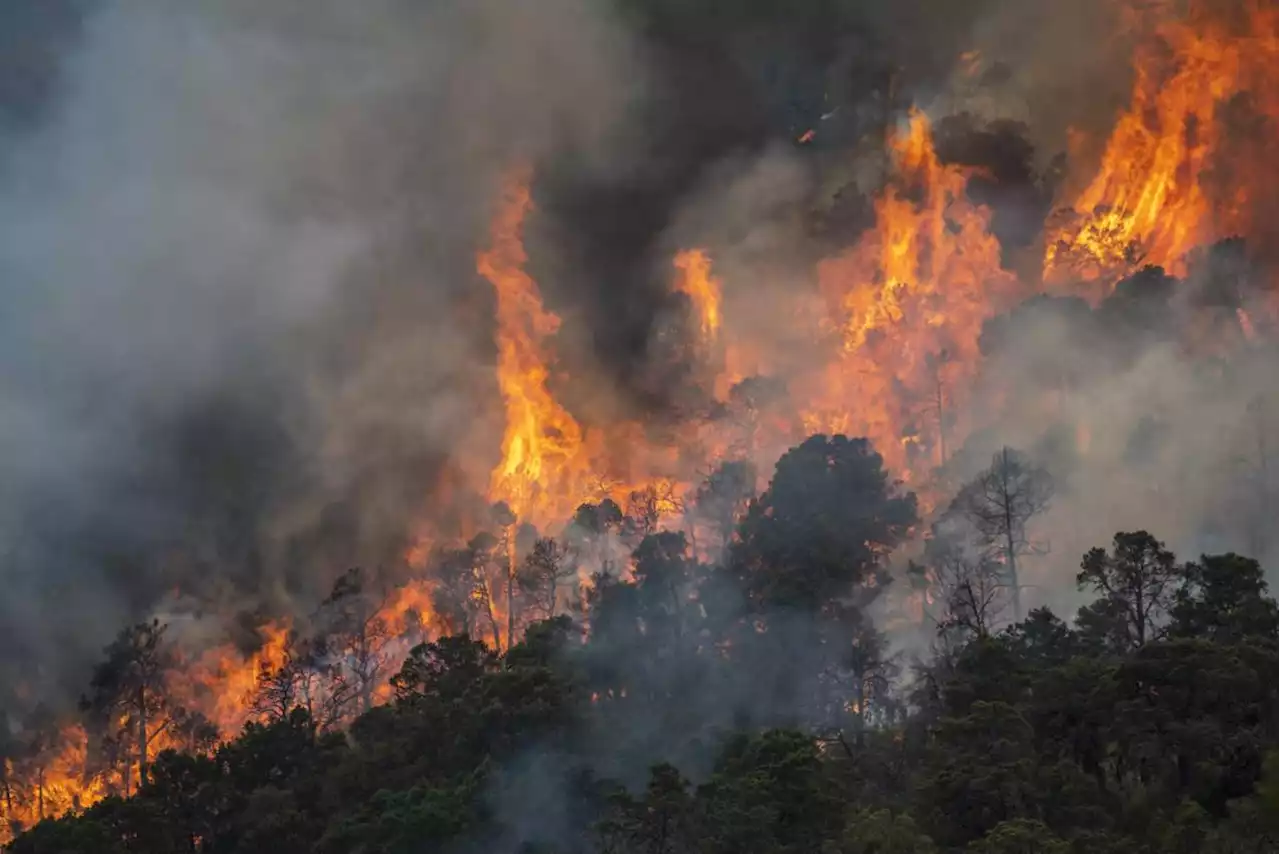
[(221, 681), (904, 308), (542, 446), (550, 464), (725, 356), (703, 290), (1158, 192), (218, 683), (58, 780), (909, 301)]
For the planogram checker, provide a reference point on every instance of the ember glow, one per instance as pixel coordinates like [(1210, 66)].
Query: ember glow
[(542, 472), (1155, 195), (895, 358), (550, 464), (908, 301), (703, 290)]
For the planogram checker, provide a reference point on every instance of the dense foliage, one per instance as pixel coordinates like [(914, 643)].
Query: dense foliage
[(755, 704), (751, 706)]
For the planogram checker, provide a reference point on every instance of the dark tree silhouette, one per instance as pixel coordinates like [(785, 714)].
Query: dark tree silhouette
[(353, 638), (546, 570), (825, 523), (1222, 598), (973, 590), (127, 702), (303, 680), (872, 671), (1137, 582), (663, 572), (722, 498), (442, 667), (999, 503)]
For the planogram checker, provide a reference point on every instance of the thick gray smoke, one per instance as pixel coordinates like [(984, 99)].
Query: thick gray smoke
[(242, 333), (243, 339), (1149, 431), (1157, 409), (233, 241)]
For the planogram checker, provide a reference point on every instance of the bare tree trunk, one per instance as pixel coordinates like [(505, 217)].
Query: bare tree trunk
[(142, 737), (691, 526), (8, 792), (367, 666), (1141, 623), (936, 362), (1014, 585), (1011, 551), (511, 593), (493, 620)]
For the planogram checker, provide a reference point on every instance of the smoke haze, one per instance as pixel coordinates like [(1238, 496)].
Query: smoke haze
[(232, 244), (243, 344)]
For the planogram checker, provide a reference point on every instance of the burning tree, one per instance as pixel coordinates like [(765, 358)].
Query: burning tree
[(547, 568), (872, 672), (129, 707), (723, 496), (355, 637), (1153, 196), (301, 680)]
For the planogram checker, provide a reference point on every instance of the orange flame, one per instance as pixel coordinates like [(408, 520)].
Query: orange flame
[(543, 443), (911, 297), (1153, 198), (57, 782), (696, 282), (905, 305), (549, 464)]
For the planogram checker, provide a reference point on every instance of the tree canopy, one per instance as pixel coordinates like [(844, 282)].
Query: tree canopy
[(750, 704)]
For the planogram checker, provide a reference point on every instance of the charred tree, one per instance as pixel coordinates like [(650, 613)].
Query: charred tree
[(936, 364), (354, 637), (723, 496), (505, 520), (301, 681), (547, 567), (999, 503), (127, 701), (872, 672), (973, 591)]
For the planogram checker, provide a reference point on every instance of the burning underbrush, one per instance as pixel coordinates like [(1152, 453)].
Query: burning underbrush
[(1150, 321)]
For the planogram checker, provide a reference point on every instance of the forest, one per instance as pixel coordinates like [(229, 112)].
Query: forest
[(748, 705), (639, 427)]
